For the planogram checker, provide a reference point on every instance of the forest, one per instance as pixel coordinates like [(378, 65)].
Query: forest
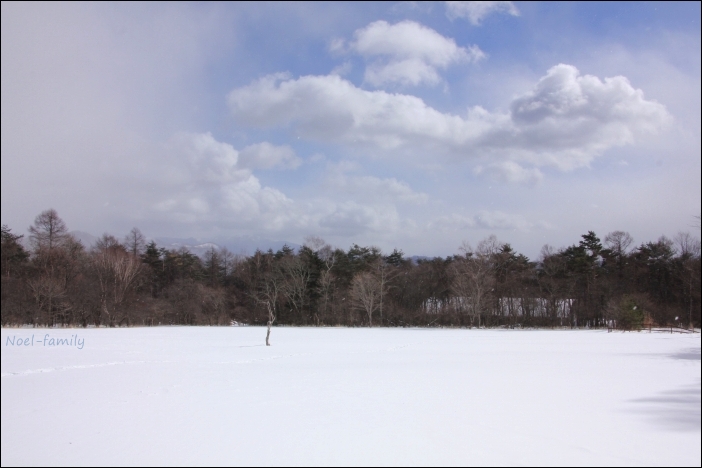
[(51, 279)]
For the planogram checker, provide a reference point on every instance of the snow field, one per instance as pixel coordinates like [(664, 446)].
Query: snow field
[(335, 396)]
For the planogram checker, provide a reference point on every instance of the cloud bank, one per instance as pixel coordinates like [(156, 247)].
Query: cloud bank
[(565, 121)]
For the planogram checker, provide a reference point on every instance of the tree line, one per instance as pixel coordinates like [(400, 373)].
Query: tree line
[(610, 282)]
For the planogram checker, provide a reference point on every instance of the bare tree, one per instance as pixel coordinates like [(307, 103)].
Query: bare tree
[(552, 283), (117, 271), (687, 245), (228, 261), (314, 243), (383, 275), (107, 242), (48, 232), (56, 256), (366, 294), (49, 292), (271, 290), (135, 242), (296, 277), (325, 282), (489, 247), (618, 242), (271, 319), (326, 278), (473, 278)]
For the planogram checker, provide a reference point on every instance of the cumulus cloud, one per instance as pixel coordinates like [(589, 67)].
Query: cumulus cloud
[(208, 160), (565, 121), (406, 53), (475, 12), (336, 110), (210, 179)]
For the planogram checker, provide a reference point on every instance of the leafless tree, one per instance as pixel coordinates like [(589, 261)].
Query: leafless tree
[(107, 242), (618, 242), (488, 247), (135, 242), (228, 261), (383, 274), (473, 278), (271, 290), (325, 282), (117, 271), (56, 255), (315, 243), (271, 319), (687, 245), (296, 277), (366, 293), (48, 232), (553, 288), (49, 292)]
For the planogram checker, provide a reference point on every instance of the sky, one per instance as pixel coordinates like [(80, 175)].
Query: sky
[(408, 125)]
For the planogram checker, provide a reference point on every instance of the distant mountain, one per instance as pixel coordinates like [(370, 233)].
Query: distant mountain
[(243, 245), (88, 240)]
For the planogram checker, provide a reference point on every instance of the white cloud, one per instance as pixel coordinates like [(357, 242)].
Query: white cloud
[(354, 219), (210, 180), (407, 53), (570, 117), (405, 72), (267, 156), (475, 12), (565, 121), (482, 220), (374, 189), (343, 69), (510, 171), (500, 220), (451, 223), (209, 161), (406, 40)]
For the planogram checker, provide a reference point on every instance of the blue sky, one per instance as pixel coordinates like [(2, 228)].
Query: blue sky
[(403, 125)]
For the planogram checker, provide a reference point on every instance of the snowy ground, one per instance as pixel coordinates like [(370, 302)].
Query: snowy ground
[(202, 396)]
